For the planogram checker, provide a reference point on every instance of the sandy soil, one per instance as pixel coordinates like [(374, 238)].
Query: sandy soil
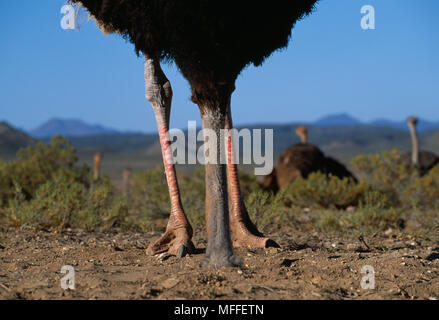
[(114, 266)]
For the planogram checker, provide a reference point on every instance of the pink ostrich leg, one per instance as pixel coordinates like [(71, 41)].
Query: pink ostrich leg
[(177, 238), (245, 233)]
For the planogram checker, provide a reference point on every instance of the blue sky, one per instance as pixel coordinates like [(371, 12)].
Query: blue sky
[(331, 66)]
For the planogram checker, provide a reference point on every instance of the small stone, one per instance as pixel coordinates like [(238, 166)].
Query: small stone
[(287, 263), (117, 248), (163, 256), (170, 283), (272, 250)]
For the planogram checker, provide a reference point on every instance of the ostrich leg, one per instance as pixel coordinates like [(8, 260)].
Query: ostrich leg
[(245, 233), (219, 250), (177, 238)]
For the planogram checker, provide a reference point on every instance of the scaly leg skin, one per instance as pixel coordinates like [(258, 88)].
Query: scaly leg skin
[(177, 238), (219, 251), (245, 233)]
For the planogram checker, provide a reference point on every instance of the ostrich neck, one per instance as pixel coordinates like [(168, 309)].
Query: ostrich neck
[(415, 145), (304, 138)]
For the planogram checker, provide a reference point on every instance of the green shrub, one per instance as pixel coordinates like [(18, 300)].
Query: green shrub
[(388, 173), (375, 199), (264, 209), (61, 203), (321, 191), (39, 164), (361, 221), (150, 197), (424, 192)]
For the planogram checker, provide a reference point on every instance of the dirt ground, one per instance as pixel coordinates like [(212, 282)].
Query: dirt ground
[(114, 266)]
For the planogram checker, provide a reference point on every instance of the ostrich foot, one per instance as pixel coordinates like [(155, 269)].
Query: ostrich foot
[(244, 236), (221, 260), (176, 242)]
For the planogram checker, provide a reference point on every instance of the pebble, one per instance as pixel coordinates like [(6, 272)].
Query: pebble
[(163, 256), (170, 283), (272, 250)]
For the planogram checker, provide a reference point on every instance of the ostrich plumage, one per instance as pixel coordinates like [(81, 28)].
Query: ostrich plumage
[(300, 160), (211, 42)]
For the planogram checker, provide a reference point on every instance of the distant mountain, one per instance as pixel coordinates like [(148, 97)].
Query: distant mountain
[(12, 139), (117, 143), (343, 119), (344, 139), (78, 128), (69, 128)]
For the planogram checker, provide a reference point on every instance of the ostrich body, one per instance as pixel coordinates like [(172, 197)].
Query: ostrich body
[(210, 42), (299, 161), (424, 161)]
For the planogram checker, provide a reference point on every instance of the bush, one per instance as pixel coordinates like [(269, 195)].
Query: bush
[(375, 199), (61, 203), (321, 191), (388, 173), (424, 192), (44, 187), (39, 164), (269, 211), (150, 197)]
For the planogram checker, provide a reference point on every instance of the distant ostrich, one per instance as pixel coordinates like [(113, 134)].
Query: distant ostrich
[(126, 175), (423, 160), (97, 158), (210, 42), (300, 160)]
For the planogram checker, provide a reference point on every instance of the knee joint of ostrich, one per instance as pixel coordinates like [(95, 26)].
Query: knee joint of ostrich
[(158, 92), (97, 164)]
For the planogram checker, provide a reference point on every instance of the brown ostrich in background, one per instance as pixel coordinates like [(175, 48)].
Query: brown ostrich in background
[(424, 161), (299, 161), (210, 42)]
